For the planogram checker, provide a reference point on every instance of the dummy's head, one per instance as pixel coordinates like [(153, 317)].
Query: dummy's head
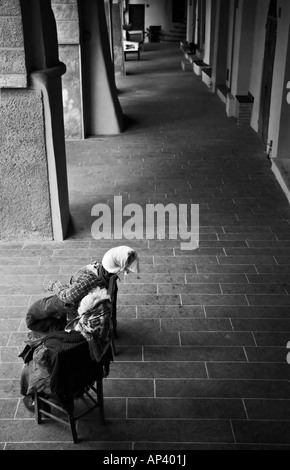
[(121, 259)]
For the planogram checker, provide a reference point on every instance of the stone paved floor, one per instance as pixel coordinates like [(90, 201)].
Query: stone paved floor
[(201, 358)]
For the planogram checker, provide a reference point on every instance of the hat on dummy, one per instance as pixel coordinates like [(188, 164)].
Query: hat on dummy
[(121, 259)]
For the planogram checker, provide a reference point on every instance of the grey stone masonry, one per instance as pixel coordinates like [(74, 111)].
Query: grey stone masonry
[(12, 55), (67, 21)]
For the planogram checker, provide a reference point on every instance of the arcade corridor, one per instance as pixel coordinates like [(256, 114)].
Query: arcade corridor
[(201, 358)]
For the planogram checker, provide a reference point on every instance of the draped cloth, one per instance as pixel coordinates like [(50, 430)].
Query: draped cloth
[(61, 365), (121, 259)]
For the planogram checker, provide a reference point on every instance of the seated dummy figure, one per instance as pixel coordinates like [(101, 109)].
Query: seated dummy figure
[(63, 364), (54, 312)]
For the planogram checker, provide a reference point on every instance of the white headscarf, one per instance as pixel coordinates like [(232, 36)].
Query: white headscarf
[(116, 260)]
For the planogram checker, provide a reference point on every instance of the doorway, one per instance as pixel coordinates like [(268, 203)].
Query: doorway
[(267, 75), (137, 17), (179, 11)]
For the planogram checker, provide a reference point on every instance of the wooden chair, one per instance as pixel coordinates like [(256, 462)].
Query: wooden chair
[(131, 47), (77, 375), (82, 381), (43, 405), (113, 291)]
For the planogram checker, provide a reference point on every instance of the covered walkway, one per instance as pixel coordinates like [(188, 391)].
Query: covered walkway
[(201, 358)]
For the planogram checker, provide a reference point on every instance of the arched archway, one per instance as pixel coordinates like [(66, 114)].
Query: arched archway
[(267, 75)]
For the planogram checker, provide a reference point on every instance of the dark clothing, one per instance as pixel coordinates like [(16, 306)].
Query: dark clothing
[(73, 369), (60, 364), (52, 313), (49, 314)]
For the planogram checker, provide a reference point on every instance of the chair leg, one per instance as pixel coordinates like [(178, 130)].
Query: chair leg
[(114, 318), (38, 417), (73, 428), (100, 396), (69, 410), (114, 346), (115, 329)]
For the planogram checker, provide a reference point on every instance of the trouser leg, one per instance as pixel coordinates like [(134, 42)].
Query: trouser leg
[(47, 314)]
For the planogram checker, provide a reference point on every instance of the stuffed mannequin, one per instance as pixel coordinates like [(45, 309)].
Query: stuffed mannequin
[(54, 312)]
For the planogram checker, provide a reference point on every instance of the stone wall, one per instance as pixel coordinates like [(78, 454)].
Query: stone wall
[(12, 55), (24, 192)]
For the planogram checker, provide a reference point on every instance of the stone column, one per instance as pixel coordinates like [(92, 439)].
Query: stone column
[(68, 32), (189, 24), (200, 27), (243, 46), (33, 199), (103, 113), (210, 6), (108, 14), (284, 126), (242, 60), (195, 26), (118, 38), (279, 124), (219, 65)]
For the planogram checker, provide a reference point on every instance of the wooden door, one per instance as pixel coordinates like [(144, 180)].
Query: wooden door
[(137, 17), (179, 10)]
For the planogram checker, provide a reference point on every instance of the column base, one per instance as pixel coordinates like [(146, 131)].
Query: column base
[(244, 108), (281, 169)]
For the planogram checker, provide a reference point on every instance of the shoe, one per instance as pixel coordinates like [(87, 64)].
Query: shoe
[(29, 403)]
